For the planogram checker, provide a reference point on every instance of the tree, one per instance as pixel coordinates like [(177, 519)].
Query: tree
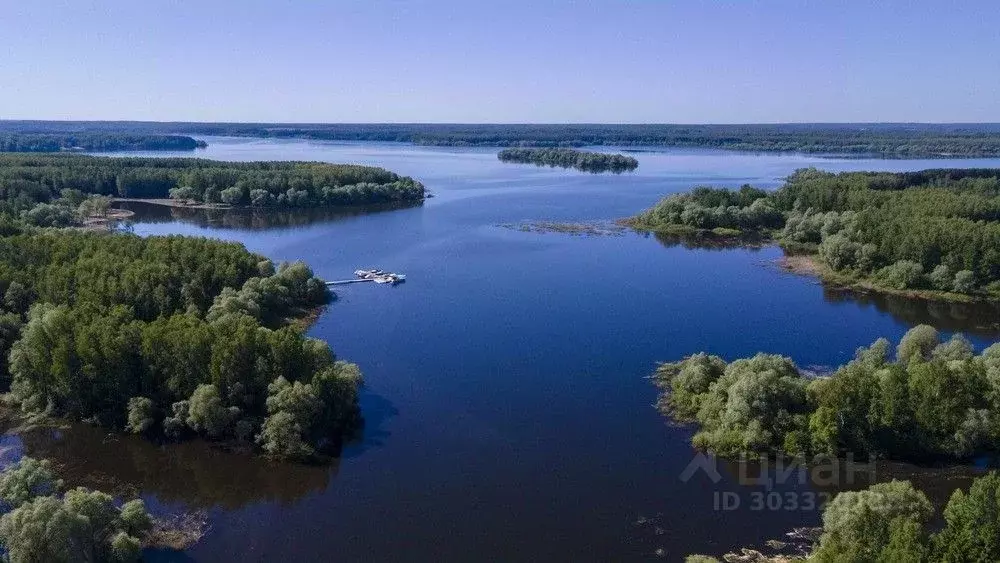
[(232, 196), (917, 343), (141, 413), (207, 414), (281, 436), (183, 193), (965, 281), (941, 278), (27, 479), (972, 529), (862, 525), (82, 526)]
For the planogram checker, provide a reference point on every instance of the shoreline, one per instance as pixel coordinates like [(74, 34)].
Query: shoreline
[(808, 265), (168, 202), (801, 260)]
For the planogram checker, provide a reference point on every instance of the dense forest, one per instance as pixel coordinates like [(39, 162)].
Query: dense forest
[(935, 230), (569, 158), (96, 142), (926, 399), (26, 180), (893, 522), (169, 337), (898, 140)]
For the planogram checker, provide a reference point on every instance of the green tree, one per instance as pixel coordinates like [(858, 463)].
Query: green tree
[(972, 529), (27, 479), (868, 525)]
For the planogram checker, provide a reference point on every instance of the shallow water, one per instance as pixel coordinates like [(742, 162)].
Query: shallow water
[(508, 414)]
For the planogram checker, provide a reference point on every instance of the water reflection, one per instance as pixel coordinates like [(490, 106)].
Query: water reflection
[(979, 319), (253, 219), (195, 473), (710, 241), (377, 411)]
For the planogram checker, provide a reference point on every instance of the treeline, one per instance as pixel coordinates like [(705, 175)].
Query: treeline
[(930, 230), (900, 140), (170, 337), (892, 522), (569, 158), (26, 180), (96, 142), (44, 522), (927, 399)]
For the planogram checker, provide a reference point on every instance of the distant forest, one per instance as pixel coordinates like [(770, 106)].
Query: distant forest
[(27, 180), (897, 140), (95, 142), (933, 230), (569, 158)]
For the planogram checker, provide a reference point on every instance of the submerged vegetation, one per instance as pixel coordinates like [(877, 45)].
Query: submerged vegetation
[(934, 231), (27, 180), (96, 142), (569, 158), (933, 400), (899, 140)]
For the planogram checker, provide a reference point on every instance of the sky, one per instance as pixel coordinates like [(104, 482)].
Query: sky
[(510, 61)]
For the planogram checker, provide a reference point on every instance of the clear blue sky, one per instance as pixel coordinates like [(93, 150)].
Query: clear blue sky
[(501, 61)]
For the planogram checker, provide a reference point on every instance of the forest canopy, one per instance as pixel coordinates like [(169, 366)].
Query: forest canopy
[(569, 158), (930, 230), (170, 337), (96, 142), (26, 180), (893, 140), (922, 399)]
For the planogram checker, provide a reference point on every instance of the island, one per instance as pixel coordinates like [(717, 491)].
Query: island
[(570, 158), (96, 142), (47, 189), (932, 233), (172, 337), (925, 399)]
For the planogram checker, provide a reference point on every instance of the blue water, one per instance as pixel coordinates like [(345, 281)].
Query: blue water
[(509, 417)]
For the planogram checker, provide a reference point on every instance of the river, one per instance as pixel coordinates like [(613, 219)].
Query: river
[(508, 414)]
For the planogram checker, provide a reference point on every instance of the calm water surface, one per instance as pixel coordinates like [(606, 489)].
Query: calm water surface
[(508, 414)]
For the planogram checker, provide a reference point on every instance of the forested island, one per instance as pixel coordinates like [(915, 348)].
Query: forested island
[(46, 188), (170, 337), (933, 233), (924, 399), (570, 158), (893, 140), (96, 142)]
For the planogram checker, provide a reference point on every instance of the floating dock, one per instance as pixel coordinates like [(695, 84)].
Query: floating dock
[(373, 275)]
